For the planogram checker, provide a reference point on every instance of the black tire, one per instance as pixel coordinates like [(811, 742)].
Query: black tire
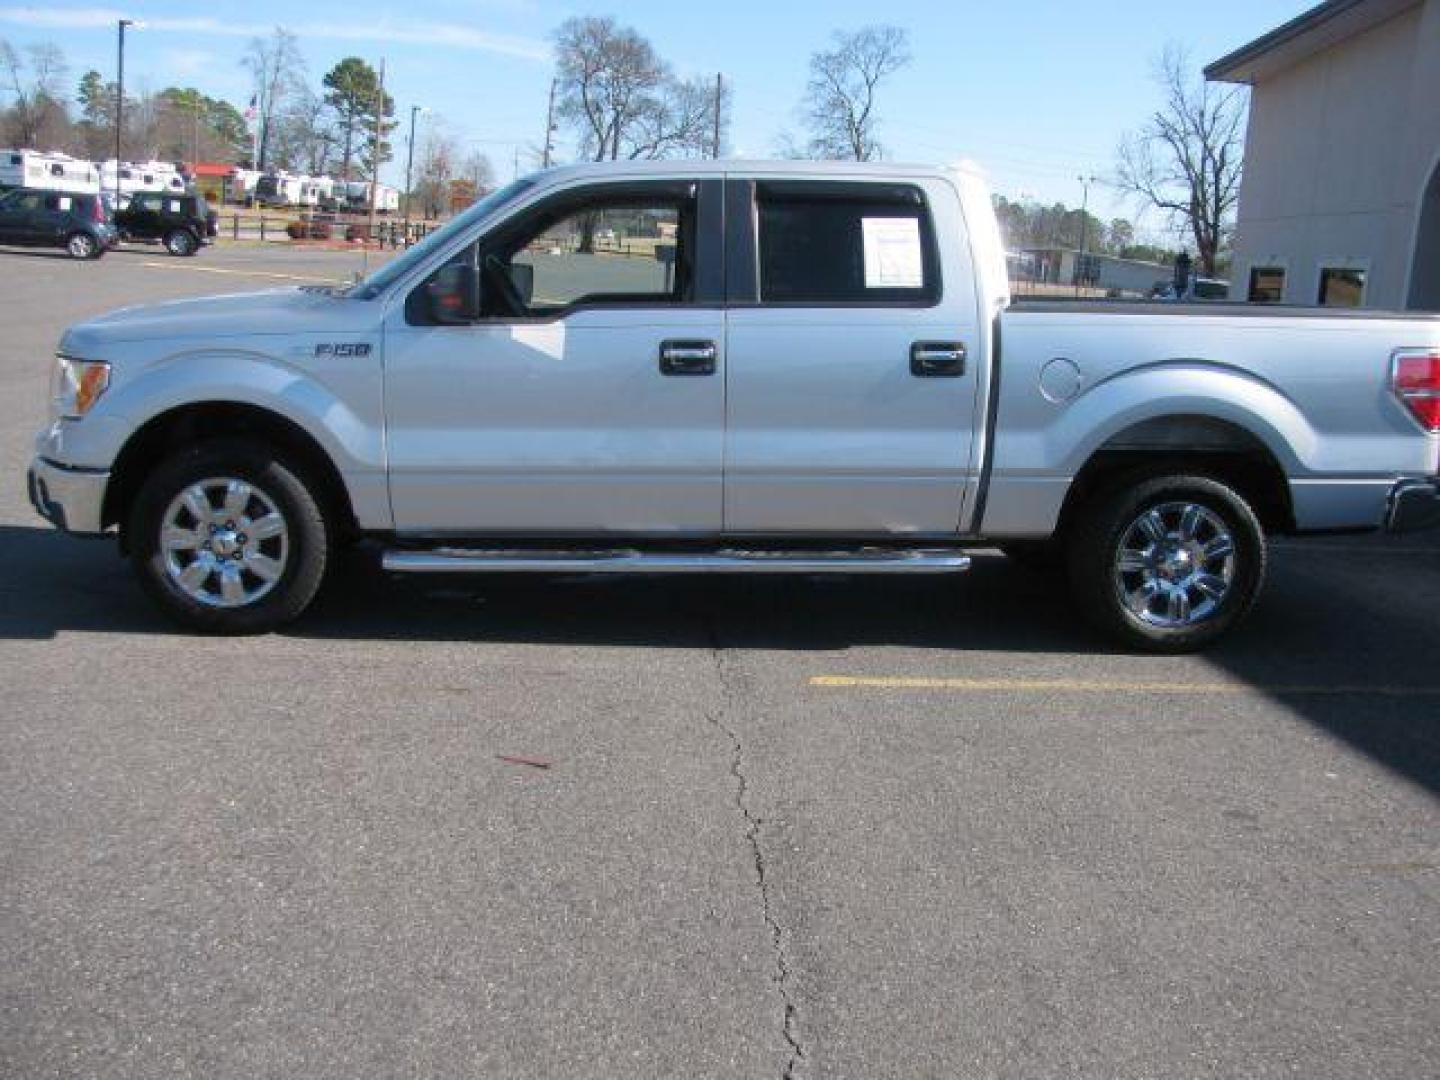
[(1039, 556), (81, 245), (181, 243), (276, 481), (1099, 537)]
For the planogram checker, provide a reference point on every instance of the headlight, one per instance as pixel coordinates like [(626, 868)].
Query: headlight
[(77, 385)]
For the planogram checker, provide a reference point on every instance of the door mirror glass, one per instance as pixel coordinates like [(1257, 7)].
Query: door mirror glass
[(522, 275), (454, 294)]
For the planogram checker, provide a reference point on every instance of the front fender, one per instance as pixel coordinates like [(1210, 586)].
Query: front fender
[(336, 400)]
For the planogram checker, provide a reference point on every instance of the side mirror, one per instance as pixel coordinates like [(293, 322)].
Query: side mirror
[(454, 294), (523, 275)]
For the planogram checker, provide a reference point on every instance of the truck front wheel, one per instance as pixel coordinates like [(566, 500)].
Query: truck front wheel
[(1169, 564), (228, 538)]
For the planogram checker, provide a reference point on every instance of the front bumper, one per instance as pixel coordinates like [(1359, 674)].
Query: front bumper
[(1413, 505), (68, 498)]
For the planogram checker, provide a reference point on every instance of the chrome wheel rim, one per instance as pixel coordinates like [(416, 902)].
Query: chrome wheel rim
[(1175, 565), (225, 542), (81, 246), (179, 244)]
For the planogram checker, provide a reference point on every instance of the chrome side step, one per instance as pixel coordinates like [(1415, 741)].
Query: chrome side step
[(628, 561)]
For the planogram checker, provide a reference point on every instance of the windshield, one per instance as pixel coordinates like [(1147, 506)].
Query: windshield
[(397, 268)]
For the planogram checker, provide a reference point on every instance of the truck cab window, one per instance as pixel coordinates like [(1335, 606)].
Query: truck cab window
[(633, 252), (816, 248)]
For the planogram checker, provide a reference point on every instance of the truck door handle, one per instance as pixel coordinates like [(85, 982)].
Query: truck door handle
[(687, 358), (937, 359)]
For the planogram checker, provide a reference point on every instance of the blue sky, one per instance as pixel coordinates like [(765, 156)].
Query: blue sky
[(1036, 93)]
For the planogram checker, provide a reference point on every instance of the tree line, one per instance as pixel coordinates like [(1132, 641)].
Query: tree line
[(620, 100)]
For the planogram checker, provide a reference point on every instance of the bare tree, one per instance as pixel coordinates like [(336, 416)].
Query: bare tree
[(278, 71), (305, 139), (435, 169), (680, 119), (1186, 160), (477, 171), (840, 98), (621, 97), (38, 113)]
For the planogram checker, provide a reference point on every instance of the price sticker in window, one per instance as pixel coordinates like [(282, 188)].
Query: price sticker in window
[(173, 206), (892, 253), (64, 203)]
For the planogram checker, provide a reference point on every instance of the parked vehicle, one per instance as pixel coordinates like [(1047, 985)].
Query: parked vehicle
[(241, 185), (357, 197), (40, 171), (317, 191), (77, 223), (133, 177), (183, 223), (278, 190), (806, 377)]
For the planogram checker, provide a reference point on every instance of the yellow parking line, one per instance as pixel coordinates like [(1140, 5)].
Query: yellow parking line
[(191, 267), (1106, 686)]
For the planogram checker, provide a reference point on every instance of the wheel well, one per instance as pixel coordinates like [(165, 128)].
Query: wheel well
[(1190, 444), (191, 424)]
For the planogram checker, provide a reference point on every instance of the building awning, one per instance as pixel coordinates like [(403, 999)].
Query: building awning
[(1302, 37)]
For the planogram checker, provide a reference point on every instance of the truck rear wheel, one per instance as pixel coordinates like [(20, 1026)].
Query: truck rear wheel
[(179, 242), (1169, 564), (228, 538)]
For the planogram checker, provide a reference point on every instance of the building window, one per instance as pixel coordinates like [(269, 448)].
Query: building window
[(1267, 285), (1341, 286)]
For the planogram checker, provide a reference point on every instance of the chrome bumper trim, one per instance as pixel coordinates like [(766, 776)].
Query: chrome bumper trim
[(68, 498), (1413, 505)]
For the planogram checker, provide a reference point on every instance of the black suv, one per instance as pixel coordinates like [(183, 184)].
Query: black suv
[(183, 223), (78, 223)]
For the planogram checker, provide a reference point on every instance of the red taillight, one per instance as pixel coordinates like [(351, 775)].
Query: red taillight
[(97, 211), (1416, 381)]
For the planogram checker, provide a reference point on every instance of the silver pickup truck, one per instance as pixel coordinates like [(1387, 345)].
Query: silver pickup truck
[(738, 367)]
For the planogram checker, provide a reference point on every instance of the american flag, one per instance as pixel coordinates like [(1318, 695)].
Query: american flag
[(252, 110)]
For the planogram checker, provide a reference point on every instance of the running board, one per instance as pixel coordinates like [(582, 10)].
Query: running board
[(627, 561)]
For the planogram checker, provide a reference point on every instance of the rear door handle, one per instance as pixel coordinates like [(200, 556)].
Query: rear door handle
[(687, 357), (937, 359)]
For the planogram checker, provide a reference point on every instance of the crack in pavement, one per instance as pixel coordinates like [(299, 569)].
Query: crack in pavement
[(790, 1026)]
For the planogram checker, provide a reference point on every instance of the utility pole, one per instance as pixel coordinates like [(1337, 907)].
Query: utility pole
[(719, 106), (120, 101), (409, 166), (1085, 182), (549, 128)]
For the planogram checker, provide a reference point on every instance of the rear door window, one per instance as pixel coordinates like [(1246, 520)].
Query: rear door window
[(845, 245)]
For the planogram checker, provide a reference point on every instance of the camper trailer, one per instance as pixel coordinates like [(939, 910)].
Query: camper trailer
[(278, 190), (47, 172), (240, 187), (134, 177), (318, 191), (357, 196)]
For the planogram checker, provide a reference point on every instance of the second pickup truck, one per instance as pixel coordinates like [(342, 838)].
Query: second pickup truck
[(738, 367)]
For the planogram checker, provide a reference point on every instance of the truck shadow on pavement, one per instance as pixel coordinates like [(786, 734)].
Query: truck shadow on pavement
[(1344, 635)]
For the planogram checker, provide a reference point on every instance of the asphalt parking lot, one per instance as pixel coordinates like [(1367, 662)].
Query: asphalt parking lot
[(698, 828)]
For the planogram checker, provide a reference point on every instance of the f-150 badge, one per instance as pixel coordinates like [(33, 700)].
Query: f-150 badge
[(343, 348)]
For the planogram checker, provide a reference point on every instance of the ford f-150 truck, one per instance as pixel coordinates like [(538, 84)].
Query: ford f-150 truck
[(738, 367)]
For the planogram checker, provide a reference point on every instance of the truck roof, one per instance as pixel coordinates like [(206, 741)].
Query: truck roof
[(718, 167)]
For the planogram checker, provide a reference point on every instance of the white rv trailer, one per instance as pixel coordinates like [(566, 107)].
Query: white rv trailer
[(141, 176), (48, 172), (317, 191), (242, 184), (278, 190), (357, 195)]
